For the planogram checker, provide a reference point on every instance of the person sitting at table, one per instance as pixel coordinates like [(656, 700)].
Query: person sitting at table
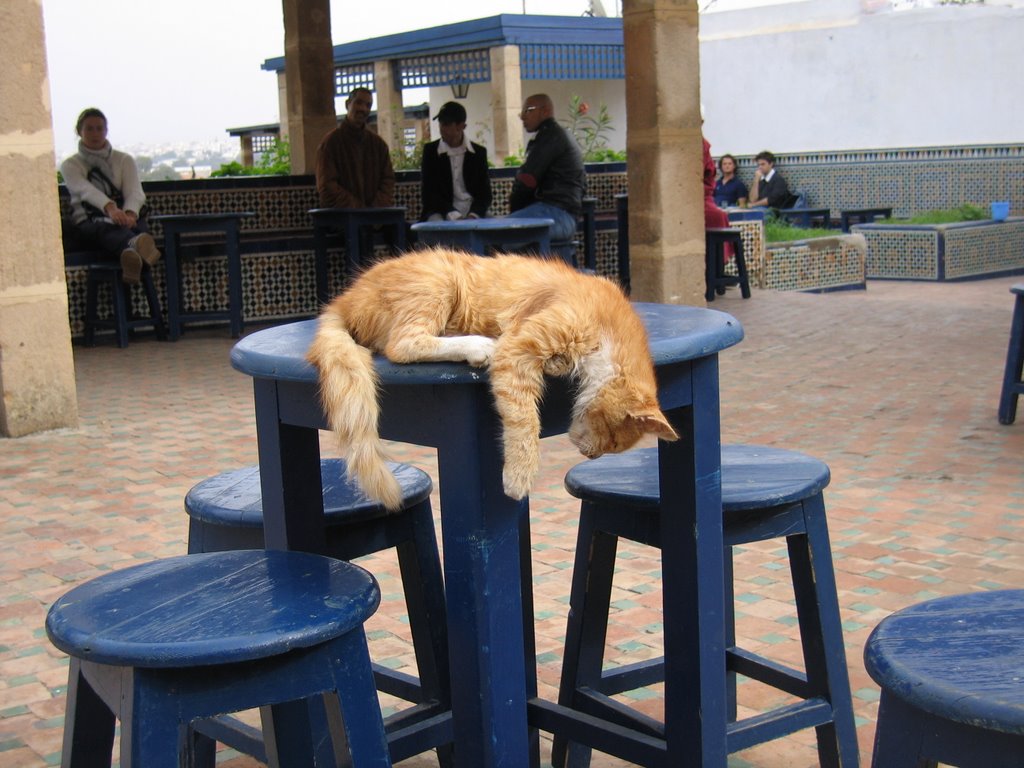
[(353, 164), (108, 206), (714, 217), (454, 183), (549, 184), (730, 190), (769, 189)]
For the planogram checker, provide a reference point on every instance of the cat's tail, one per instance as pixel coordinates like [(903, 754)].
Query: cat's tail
[(348, 392)]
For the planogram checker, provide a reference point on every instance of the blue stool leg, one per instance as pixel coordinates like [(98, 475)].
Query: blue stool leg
[(589, 600), (1014, 364), (92, 288), (897, 737), (821, 632), (730, 634), (151, 732), (357, 694), (88, 724), (121, 302)]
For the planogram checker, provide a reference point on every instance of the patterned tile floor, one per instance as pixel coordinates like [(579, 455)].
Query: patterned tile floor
[(895, 387)]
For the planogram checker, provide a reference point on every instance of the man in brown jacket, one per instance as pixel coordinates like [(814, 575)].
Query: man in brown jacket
[(353, 164)]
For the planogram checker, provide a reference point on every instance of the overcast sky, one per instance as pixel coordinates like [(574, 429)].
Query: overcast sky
[(168, 70)]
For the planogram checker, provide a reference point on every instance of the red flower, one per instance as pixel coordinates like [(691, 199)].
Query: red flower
[(583, 108)]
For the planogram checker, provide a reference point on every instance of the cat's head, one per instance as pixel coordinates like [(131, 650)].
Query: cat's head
[(616, 419)]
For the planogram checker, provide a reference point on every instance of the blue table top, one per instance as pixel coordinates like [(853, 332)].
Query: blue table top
[(346, 211), (676, 333), (478, 225)]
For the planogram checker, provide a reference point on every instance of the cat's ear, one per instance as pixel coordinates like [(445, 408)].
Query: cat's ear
[(653, 422)]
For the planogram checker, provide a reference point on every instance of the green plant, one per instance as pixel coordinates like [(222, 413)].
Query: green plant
[(401, 161), (276, 161), (589, 131), (966, 212), (777, 230)]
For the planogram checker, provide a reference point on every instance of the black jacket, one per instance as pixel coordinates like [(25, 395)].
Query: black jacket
[(436, 189), (555, 165)]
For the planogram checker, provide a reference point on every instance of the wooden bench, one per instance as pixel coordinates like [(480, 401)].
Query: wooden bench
[(951, 672)]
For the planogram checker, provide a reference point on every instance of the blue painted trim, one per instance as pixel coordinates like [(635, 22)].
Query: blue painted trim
[(494, 31)]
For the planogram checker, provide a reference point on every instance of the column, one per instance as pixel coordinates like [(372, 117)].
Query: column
[(388, 102), (507, 98), (37, 373), (309, 78), (664, 151)]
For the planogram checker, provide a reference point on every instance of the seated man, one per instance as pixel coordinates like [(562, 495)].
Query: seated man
[(769, 188), (353, 164), (454, 183), (549, 184)]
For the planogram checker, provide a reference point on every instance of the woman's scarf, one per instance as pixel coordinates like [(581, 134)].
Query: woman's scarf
[(98, 158)]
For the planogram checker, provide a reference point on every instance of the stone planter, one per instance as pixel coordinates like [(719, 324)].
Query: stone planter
[(818, 264), (944, 251)]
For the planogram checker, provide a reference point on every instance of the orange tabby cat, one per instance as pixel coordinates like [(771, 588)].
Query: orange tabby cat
[(523, 317)]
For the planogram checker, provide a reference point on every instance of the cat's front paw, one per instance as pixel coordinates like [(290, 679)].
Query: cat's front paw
[(479, 351), (520, 471)]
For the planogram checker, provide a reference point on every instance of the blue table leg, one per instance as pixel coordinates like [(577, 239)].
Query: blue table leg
[(320, 258), (173, 282), (234, 277), (482, 574), (692, 572)]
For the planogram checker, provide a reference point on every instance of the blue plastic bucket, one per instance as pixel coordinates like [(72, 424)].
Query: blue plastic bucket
[(1001, 210)]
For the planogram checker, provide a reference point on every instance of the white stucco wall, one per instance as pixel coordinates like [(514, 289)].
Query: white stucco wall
[(834, 75), (593, 92), (825, 75)]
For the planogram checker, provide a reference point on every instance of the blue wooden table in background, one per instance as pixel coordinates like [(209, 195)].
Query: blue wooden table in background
[(478, 235), (449, 406), (350, 222)]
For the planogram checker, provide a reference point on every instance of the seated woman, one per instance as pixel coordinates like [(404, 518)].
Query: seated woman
[(730, 190), (107, 201)]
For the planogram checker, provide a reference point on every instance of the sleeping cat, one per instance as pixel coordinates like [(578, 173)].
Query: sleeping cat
[(523, 317)]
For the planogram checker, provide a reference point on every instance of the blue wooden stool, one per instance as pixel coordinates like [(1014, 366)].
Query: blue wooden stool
[(226, 513), (162, 644), (1013, 378), (715, 276), (952, 677), (120, 320), (767, 493)]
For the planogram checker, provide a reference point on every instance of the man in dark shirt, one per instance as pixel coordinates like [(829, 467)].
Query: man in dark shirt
[(769, 188), (353, 164), (549, 184)]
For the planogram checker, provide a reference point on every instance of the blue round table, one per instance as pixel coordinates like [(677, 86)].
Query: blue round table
[(449, 406)]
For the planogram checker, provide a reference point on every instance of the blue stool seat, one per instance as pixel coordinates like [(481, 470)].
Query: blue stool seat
[(1013, 376), (120, 320), (951, 672), (165, 643), (767, 493), (226, 513)]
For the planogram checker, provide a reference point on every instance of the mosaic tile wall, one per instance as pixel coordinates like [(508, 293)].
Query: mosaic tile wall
[(949, 252), (824, 264), (279, 285), (910, 180)]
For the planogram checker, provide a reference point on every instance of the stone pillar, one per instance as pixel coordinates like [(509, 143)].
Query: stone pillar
[(664, 151), (507, 101), (282, 105), (309, 77), (248, 157), (37, 371), (388, 103)]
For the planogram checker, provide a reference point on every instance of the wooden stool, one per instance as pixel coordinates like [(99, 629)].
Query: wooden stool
[(1013, 378), (951, 672), (226, 513), (714, 262), (767, 493), (162, 644), (121, 297)]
